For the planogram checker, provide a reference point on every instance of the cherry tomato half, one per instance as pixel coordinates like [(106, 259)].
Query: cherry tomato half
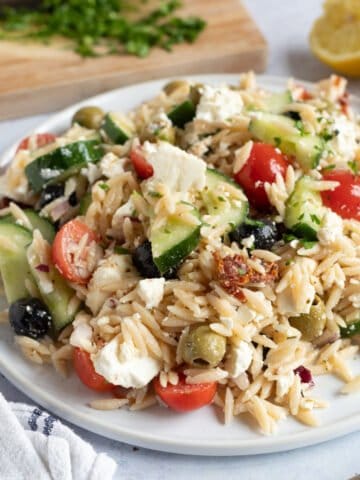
[(344, 199), (262, 166), (184, 397), (69, 234), (142, 167), (41, 139), (86, 372)]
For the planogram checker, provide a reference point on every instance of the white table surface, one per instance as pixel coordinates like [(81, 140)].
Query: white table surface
[(286, 25)]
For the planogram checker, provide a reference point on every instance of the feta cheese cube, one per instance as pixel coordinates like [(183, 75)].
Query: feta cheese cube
[(239, 359), (124, 365), (178, 170), (218, 104), (151, 291)]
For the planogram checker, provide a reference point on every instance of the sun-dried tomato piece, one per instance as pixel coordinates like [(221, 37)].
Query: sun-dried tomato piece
[(234, 273)]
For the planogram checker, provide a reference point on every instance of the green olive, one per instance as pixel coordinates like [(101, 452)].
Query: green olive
[(195, 94), (202, 347), (89, 117), (312, 324), (175, 85)]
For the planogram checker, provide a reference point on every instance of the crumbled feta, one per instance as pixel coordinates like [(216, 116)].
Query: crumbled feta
[(81, 336), (92, 172), (344, 143), (248, 242), (125, 210), (151, 291), (239, 359), (283, 384), (49, 173), (111, 165), (124, 365), (178, 170), (218, 105), (331, 229), (159, 121)]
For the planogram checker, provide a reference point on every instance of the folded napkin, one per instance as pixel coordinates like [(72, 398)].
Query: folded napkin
[(35, 445)]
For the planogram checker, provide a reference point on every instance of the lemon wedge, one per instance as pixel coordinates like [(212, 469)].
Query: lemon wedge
[(335, 36)]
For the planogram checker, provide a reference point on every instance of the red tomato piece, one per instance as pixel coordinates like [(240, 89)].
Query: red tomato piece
[(142, 167), (62, 250), (262, 166), (42, 139), (86, 372), (184, 397), (344, 199)]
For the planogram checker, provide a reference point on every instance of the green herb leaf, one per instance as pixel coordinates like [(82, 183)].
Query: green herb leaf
[(354, 166), (100, 27), (329, 168), (121, 250), (104, 186), (315, 218)]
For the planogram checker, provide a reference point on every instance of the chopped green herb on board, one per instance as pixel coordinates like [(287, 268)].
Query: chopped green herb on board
[(100, 27)]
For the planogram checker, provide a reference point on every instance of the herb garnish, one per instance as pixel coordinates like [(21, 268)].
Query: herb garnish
[(354, 166), (100, 27), (104, 186)]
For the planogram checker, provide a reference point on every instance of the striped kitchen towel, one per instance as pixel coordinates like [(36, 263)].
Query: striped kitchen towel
[(36, 445)]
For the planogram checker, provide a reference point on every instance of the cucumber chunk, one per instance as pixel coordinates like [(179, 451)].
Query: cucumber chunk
[(182, 113), (304, 210), (14, 267), (61, 163), (230, 212), (173, 242), (117, 128), (277, 102), (46, 228), (282, 132), (58, 299)]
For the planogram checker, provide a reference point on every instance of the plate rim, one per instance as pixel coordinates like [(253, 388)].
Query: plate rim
[(262, 444)]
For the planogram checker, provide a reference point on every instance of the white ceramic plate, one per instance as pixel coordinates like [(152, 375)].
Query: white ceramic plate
[(200, 432)]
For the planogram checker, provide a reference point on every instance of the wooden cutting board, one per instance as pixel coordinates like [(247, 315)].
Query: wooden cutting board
[(35, 78)]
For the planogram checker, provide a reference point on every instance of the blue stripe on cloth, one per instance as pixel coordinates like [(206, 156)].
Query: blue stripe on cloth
[(32, 422), (49, 425)]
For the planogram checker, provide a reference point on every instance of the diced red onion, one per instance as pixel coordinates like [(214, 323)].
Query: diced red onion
[(43, 268), (305, 375)]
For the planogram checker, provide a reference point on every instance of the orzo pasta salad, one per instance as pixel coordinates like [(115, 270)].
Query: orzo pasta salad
[(202, 248)]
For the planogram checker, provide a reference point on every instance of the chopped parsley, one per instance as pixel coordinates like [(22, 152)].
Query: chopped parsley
[(289, 237), (300, 126), (121, 250), (241, 271), (104, 186), (154, 194), (329, 167), (308, 243), (277, 141), (354, 166), (315, 218), (221, 199), (101, 27)]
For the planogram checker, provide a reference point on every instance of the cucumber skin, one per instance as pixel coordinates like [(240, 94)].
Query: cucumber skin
[(174, 256), (68, 160), (57, 301), (45, 227), (113, 131), (290, 143), (213, 177), (14, 266), (182, 113), (299, 197)]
